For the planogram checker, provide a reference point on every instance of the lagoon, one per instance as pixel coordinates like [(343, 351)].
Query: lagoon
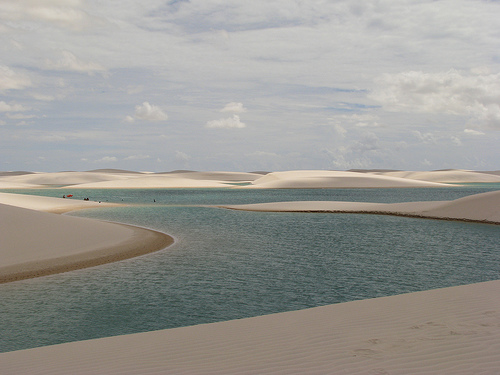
[(233, 264)]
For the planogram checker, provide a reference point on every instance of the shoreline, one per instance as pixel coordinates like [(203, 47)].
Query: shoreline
[(143, 241), (452, 330), (386, 213), (60, 243)]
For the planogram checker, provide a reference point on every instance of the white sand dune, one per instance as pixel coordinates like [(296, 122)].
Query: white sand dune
[(35, 243), (275, 180), (124, 179), (484, 207), (445, 331), (64, 178), (218, 176), (446, 176), (155, 181), (312, 179), (48, 204)]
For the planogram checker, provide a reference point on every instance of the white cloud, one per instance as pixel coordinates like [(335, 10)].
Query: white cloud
[(452, 92), (43, 97), (107, 159), (19, 116), (52, 138), (226, 123), (363, 120), (182, 156), (339, 130), (137, 157), (234, 107), (263, 153), (4, 107), (424, 137), (64, 13), (129, 119), (473, 132), (456, 141), (148, 112), (69, 62), (10, 80)]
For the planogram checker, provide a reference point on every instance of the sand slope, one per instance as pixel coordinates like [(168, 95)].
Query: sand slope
[(64, 178), (48, 204), (35, 243), (444, 331), (125, 179), (446, 176), (484, 207), (333, 179)]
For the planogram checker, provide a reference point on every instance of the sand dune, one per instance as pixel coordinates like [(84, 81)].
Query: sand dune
[(48, 204), (64, 178), (35, 243), (446, 176), (444, 331), (110, 178), (125, 179), (483, 207), (333, 179), (275, 180)]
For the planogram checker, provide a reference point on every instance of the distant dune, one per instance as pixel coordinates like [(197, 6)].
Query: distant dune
[(445, 175), (333, 179), (302, 179)]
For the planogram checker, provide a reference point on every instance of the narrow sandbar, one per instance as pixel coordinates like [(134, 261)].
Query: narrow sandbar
[(483, 208)]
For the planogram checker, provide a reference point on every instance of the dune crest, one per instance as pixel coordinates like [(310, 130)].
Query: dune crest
[(333, 179)]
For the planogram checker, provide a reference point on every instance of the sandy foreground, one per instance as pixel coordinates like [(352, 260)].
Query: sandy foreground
[(445, 331)]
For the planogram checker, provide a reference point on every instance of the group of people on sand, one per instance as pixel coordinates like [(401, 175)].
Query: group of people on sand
[(70, 195)]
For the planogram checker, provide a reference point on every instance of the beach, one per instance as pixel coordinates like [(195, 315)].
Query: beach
[(447, 331), (37, 243)]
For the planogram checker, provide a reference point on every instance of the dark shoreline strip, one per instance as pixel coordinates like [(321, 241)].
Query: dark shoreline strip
[(416, 216), (143, 241)]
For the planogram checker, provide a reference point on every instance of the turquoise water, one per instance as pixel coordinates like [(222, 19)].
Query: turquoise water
[(233, 264)]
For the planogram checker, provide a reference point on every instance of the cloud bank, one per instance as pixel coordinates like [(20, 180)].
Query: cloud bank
[(451, 92)]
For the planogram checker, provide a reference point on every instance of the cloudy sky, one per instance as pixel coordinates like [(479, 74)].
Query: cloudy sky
[(160, 85)]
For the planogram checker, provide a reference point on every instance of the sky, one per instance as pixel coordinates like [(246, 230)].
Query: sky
[(262, 85)]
